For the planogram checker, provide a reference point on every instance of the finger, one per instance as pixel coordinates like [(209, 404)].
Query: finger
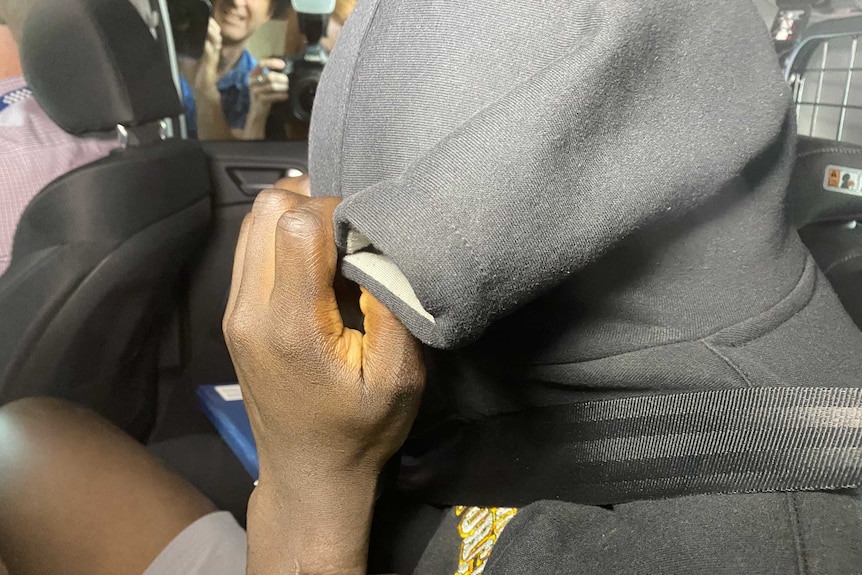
[(238, 263), (276, 86), (214, 39), (278, 78), (298, 185), (305, 269), (273, 63), (276, 81), (388, 348), (258, 265), (258, 89), (273, 98), (213, 27), (262, 96)]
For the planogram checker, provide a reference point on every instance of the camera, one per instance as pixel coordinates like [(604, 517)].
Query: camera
[(304, 69), (189, 23)]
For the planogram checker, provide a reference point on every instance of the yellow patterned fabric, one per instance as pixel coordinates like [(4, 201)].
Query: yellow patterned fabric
[(479, 529)]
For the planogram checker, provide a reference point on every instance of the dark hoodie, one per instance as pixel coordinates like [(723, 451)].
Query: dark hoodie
[(580, 199)]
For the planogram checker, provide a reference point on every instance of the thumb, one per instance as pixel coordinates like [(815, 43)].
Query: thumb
[(390, 353), (305, 262), (273, 64)]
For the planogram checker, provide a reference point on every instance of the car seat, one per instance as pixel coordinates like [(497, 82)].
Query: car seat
[(98, 251), (829, 217)]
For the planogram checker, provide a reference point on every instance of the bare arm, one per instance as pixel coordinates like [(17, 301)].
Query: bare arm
[(211, 122), (320, 529)]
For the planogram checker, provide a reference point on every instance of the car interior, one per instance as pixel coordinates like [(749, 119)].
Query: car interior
[(121, 269), (99, 251), (826, 78)]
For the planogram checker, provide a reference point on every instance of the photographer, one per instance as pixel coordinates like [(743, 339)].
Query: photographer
[(227, 93), (284, 123)]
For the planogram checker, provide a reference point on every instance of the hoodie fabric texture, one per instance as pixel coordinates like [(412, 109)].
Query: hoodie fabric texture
[(571, 200)]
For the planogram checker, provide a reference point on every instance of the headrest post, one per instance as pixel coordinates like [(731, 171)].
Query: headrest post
[(123, 136)]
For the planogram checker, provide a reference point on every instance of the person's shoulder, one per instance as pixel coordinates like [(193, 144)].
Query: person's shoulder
[(11, 83), (23, 121)]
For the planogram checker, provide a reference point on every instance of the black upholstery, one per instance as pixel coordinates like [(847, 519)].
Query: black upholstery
[(98, 252), (94, 64), (826, 220)]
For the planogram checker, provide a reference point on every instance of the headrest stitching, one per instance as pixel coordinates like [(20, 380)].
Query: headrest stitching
[(854, 151), (854, 254)]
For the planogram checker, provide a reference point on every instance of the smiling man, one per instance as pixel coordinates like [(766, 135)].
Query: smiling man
[(228, 91)]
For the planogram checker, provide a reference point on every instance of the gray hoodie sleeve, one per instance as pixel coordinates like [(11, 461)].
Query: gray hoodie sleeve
[(634, 122)]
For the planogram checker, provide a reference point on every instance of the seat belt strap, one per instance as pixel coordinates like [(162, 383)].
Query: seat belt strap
[(651, 447)]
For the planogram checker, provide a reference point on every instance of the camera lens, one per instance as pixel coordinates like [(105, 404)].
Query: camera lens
[(306, 98), (303, 90)]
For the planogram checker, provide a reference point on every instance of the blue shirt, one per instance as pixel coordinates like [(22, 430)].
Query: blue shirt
[(235, 96)]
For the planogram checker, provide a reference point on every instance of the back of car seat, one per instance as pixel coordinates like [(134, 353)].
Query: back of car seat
[(97, 252)]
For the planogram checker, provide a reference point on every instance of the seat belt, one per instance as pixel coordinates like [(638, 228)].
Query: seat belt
[(658, 446)]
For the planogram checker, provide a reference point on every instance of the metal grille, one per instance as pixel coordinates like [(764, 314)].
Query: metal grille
[(827, 88)]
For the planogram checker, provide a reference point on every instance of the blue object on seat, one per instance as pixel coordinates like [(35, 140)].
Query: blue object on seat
[(224, 407)]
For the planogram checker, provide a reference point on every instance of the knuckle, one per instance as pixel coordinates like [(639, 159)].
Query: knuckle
[(273, 199), (303, 221), (296, 184), (238, 330)]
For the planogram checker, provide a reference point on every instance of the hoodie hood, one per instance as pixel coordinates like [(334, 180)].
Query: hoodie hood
[(594, 190), (488, 152), (571, 200)]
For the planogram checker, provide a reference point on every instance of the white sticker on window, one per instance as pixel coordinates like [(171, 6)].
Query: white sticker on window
[(229, 392), (843, 180)]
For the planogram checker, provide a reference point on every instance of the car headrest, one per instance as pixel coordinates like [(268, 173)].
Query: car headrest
[(93, 64), (826, 185)]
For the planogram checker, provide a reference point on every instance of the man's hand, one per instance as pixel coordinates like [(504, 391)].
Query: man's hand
[(211, 121), (267, 86), (297, 184), (206, 75), (321, 397), (328, 405)]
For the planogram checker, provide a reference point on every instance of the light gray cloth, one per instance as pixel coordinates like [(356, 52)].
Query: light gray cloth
[(213, 545)]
